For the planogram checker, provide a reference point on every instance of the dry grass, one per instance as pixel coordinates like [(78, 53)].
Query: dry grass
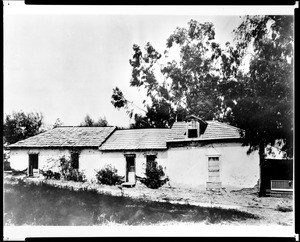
[(43, 204), (271, 210)]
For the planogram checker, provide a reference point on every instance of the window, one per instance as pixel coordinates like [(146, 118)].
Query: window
[(192, 133), (192, 129), (150, 161), (213, 169), (75, 160)]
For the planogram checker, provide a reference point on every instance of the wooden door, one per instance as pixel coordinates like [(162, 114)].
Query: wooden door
[(130, 169), (213, 169)]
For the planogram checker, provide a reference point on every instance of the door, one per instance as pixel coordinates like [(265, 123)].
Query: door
[(213, 169), (130, 169), (33, 163)]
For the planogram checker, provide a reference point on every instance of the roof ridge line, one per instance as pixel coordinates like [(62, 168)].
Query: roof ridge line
[(144, 129), (227, 124), (74, 126)]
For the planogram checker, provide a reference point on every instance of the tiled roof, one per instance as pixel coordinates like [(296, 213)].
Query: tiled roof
[(68, 137), (214, 130), (137, 139)]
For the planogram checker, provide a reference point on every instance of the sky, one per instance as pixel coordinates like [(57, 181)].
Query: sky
[(65, 63)]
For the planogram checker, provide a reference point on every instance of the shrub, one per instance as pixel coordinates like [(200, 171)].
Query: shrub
[(75, 175), (108, 176), (154, 175), (50, 174), (68, 172), (51, 169), (19, 172)]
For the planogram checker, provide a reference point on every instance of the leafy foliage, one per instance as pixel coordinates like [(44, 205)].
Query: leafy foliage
[(154, 175), (189, 85), (19, 126), (261, 100), (57, 123), (68, 172), (118, 99), (159, 115), (213, 82), (50, 174), (108, 176), (89, 122)]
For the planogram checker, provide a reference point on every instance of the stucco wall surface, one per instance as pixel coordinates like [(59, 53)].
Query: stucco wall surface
[(89, 162), (189, 165), (19, 158), (186, 165), (118, 160)]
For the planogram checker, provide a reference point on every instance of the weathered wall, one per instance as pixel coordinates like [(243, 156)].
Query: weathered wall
[(186, 165), (118, 160), (19, 159), (237, 168), (90, 160), (189, 165)]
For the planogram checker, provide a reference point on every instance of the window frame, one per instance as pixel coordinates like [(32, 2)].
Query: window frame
[(192, 125), (218, 157), (148, 160)]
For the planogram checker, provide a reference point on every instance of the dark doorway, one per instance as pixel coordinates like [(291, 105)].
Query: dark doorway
[(130, 169), (33, 163)]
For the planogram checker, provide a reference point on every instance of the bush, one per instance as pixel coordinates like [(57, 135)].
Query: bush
[(154, 175), (75, 175), (51, 169), (50, 174), (108, 176), (68, 172), (19, 172)]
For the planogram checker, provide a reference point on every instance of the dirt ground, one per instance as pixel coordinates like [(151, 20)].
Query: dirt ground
[(244, 199)]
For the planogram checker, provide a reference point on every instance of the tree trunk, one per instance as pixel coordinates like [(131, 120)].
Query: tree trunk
[(261, 153)]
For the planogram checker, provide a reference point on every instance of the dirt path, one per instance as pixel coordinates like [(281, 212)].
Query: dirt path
[(244, 200)]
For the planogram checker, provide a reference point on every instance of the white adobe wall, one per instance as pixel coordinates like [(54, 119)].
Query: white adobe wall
[(118, 160), (186, 165), (189, 165), (19, 158), (89, 161), (237, 168)]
